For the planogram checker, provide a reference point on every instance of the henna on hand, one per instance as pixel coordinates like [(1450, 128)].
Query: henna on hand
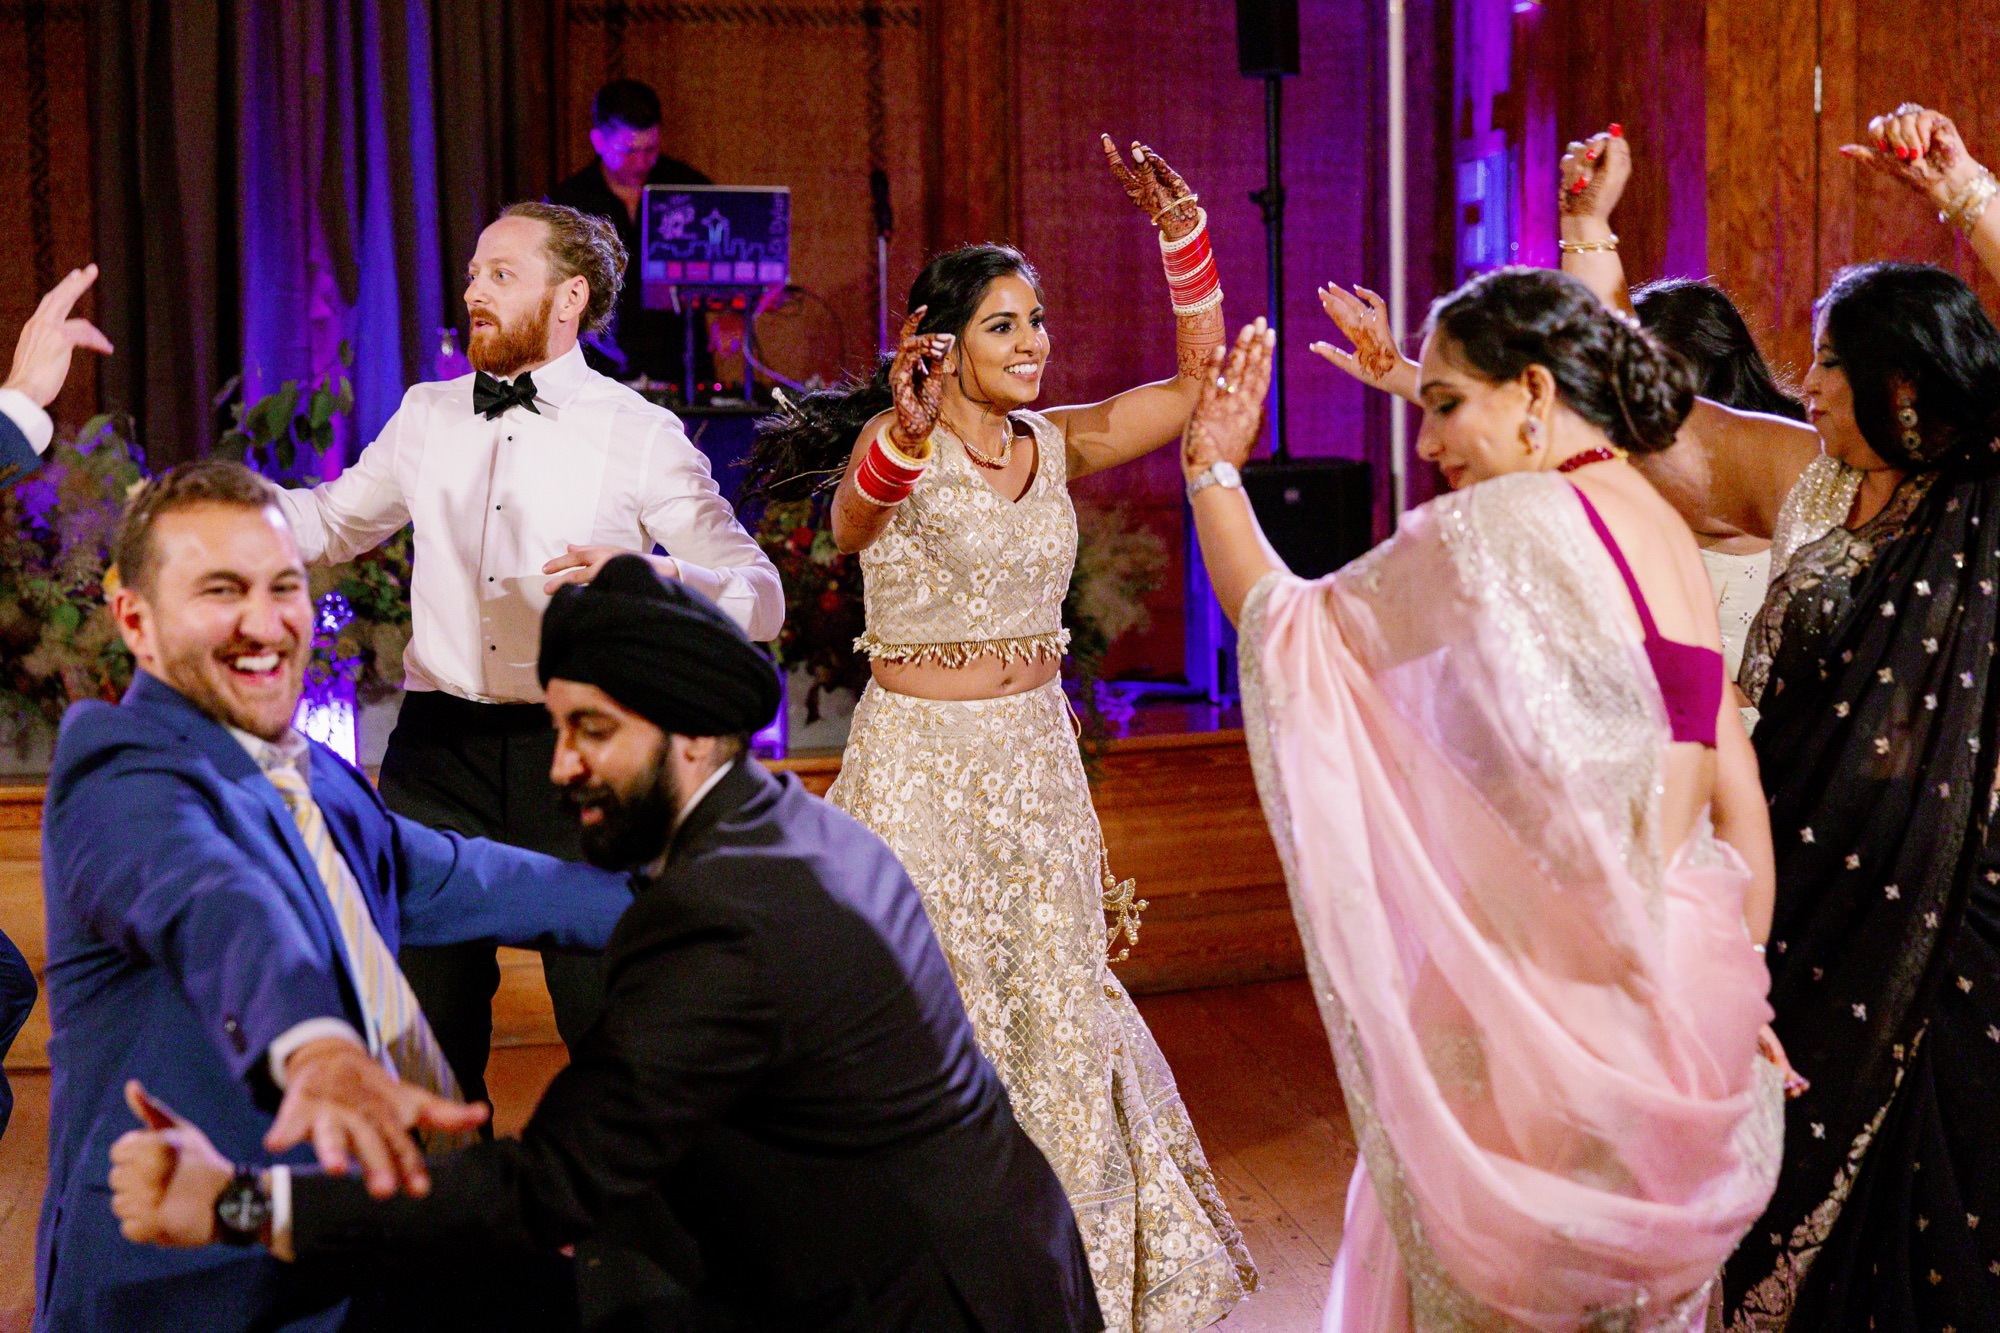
[(1230, 410), (1918, 148), (1152, 185), (917, 401), (1594, 175)]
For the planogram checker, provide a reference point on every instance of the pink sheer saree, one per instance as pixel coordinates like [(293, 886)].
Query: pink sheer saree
[(1546, 1030)]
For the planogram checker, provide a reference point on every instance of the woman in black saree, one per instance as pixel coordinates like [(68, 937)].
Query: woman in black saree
[(1878, 745)]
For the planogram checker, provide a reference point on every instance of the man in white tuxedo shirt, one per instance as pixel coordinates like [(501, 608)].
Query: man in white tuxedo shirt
[(530, 473)]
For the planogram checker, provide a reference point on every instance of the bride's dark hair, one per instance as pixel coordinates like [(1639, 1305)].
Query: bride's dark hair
[(1608, 370), (804, 448)]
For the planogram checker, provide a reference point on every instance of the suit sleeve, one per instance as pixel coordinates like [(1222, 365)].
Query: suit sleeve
[(687, 1027), (171, 889), (18, 455), (453, 890)]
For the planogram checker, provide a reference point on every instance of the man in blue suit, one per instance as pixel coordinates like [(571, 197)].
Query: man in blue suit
[(224, 903), (41, 364)]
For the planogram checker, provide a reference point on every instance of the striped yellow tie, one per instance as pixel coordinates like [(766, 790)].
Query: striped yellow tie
[(398, 1033)]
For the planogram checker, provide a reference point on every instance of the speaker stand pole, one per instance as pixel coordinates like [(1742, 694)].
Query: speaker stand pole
[(1272, 200)]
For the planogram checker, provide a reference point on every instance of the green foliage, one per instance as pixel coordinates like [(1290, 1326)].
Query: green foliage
[(57, 642)]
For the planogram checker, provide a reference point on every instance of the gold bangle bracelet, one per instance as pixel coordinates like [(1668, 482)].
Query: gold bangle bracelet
[(1172, 205), (1608, 244)]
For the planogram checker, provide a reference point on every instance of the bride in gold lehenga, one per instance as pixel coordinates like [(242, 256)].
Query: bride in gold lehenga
[(962, 755)]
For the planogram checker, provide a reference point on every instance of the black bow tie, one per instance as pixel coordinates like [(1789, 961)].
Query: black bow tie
[(491, 397)]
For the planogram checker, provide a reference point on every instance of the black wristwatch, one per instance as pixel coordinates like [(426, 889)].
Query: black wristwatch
[(243, 1210)]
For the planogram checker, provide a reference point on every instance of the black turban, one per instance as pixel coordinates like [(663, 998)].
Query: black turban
[(660, 649)]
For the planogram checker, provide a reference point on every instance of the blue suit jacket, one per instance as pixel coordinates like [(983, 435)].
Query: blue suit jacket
[(187, 929), (17, 457)]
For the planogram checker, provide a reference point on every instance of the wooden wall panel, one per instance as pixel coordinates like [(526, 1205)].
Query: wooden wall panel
[(808, 95), (1763, 160)]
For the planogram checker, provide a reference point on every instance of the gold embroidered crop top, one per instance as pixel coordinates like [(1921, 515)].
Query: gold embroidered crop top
[(963, 572)]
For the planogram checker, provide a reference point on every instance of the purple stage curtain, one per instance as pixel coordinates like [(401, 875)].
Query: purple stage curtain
[(276, 179)]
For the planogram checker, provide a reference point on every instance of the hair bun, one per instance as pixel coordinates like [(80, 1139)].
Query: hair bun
[(1654, 389)]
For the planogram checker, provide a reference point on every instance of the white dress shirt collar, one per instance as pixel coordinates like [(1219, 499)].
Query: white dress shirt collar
[(558, 382)]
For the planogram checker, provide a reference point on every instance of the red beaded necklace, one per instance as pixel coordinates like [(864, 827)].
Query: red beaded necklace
[(1603, 453)]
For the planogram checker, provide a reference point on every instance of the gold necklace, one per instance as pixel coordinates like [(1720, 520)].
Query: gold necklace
[(972, 451)]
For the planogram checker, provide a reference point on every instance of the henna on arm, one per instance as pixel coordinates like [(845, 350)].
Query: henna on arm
[(1140, 420)]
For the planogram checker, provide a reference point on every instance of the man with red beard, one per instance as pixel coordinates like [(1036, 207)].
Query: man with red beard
[(526, 475)]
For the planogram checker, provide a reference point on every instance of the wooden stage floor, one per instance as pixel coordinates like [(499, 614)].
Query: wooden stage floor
[(1252, 1062)]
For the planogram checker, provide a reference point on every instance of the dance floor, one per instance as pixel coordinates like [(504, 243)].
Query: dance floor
[(1251, 1060)]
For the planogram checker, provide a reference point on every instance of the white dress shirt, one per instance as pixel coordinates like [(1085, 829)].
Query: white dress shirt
[(29, 418), (493, 501)]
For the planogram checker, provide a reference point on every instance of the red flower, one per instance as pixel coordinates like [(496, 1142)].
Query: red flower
[(830, 602), (802, 539)]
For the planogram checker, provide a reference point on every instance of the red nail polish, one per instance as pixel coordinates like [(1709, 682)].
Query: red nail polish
[(1590, 156), (1578, 187), (1617, 130)]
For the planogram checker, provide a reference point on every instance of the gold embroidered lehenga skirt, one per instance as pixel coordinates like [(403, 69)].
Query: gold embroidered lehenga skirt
[(987, 806)]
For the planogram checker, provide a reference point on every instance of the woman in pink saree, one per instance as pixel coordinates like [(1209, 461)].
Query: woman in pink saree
[(1524, 837)]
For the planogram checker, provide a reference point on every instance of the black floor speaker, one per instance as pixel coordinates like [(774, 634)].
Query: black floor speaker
[(1318, 513)]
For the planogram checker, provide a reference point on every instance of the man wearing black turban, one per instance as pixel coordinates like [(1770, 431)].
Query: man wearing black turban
[(783, 1058)]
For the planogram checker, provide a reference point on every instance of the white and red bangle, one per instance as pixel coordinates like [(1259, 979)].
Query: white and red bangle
[(1191, 272), (887, 475)]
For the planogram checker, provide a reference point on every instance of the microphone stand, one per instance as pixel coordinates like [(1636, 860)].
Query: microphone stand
[(885, 223), (1272, 200)]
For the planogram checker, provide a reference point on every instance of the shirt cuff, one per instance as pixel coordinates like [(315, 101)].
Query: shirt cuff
[(703, 580), (28, 416), (289, 1041), (278, 1181)]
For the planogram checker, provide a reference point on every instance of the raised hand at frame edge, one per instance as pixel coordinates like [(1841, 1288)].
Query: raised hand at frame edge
[(1154, 188)]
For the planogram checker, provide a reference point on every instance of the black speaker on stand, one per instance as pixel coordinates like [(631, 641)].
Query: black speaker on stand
[(1304, 506)]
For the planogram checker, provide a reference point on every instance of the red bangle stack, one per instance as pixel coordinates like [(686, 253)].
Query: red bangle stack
[(887, 475), (1191, 272)]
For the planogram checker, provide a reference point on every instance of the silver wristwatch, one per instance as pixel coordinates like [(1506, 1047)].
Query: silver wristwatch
[(1221, 472)]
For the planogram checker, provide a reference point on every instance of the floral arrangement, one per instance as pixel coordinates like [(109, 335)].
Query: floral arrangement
[(1117, 565), (57, 644)]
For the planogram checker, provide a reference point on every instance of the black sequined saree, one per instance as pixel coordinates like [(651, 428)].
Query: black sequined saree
[(1880, 731)]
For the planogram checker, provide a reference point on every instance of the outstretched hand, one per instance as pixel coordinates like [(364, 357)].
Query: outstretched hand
[(1594, 174), (916, 381), (1376, 360), (51, 335), (1154, 188), (351, 1108), (1230, 410), (1918, 148)]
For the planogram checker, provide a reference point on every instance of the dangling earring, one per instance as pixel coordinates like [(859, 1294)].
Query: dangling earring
[(1531, 435), (1906, 417)]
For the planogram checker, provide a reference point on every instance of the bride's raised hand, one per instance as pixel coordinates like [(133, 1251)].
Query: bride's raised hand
[(1595, 173), (1230, 411), (1920, 149), (1363, 318), (916, 382), (1154, 188)]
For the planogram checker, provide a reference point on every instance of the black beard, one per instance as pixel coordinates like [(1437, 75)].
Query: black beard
[(636, 823)]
